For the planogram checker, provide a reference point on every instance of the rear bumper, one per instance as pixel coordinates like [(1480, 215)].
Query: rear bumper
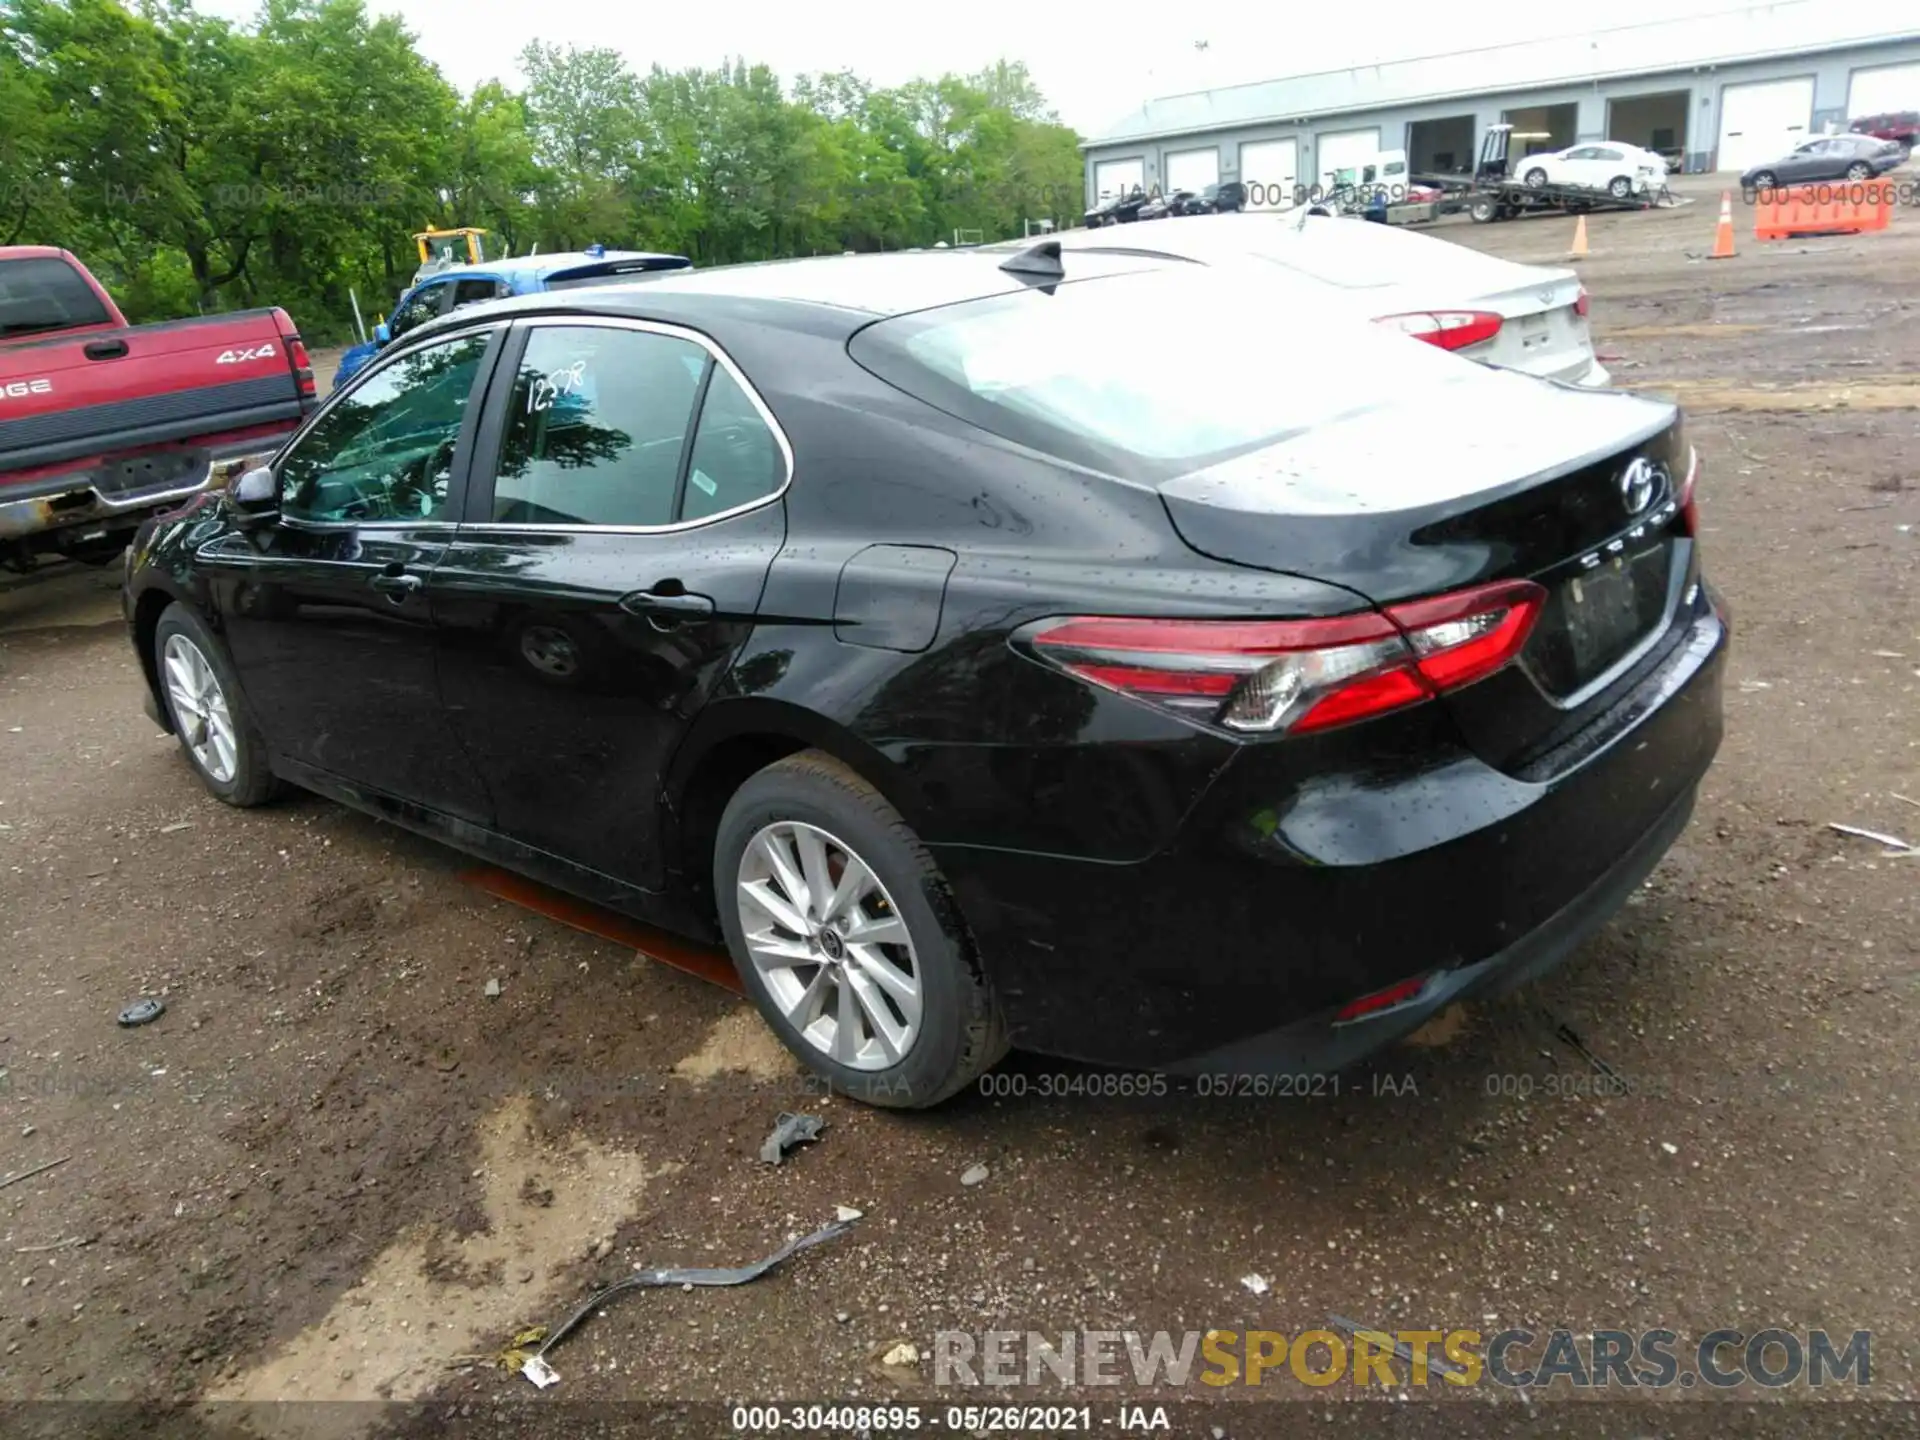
[(82, 505), (1294, 889), (1324, 1045)]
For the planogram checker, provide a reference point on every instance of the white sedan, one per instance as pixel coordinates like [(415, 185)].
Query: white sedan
[(1530, 318), (1623, 171)]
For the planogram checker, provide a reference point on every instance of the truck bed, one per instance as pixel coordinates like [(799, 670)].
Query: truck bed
[(100, 424)]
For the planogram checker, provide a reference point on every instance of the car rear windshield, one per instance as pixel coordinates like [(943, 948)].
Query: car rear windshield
[(41, 294), (1151, 374)]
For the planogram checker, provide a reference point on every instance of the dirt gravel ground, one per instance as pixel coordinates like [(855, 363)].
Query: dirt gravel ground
[(337, 1170)]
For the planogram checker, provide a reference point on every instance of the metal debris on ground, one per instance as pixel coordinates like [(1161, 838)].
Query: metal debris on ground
[(788, 1131), (1387, 1344), (491, 990), (1256, 1284), (66, 1244), (143, 1012), (905, 1352), (974, 1175), (36, 1170), (1567, 1036), (847, 1212), (1904, 800), (1894, 842), (535, 1366)]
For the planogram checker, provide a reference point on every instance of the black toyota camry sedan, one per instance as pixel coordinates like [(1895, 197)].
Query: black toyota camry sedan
[(979, 676)]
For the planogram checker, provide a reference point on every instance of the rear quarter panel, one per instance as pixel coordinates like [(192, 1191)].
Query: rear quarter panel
[(973, 742)]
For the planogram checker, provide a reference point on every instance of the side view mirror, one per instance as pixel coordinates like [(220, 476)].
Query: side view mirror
[(255, 494), (382, 333)]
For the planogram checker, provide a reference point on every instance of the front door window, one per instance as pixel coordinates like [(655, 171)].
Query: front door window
[(384, 451)]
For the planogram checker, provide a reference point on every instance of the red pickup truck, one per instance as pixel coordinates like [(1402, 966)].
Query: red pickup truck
[(103, 423)]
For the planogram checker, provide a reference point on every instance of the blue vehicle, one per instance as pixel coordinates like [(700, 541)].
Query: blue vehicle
[(459, 285)]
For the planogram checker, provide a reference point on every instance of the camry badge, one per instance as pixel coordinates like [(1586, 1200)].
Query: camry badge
[(1638, 482)]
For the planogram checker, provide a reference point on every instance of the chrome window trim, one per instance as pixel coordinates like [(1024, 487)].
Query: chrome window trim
[(721, 358)]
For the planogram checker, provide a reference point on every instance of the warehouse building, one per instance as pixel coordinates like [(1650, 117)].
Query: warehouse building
[(1725, 90)]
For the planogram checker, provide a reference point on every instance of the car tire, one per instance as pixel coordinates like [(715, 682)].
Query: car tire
[(1859, 171), (1483, 211), (1766, 180), (1620, 187), (913, 1051), (1536, 178), (209, 714)]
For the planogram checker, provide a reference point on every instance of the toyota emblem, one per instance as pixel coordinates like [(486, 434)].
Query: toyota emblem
[(1638, 484)]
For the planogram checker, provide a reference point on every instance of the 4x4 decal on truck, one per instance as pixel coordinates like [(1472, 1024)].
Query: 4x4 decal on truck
[(240, 357)]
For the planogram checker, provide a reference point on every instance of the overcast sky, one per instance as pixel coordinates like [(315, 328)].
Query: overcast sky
[(1095, 62)]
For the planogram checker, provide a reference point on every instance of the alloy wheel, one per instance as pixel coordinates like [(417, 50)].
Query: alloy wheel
[(829, 945), (200, 709)]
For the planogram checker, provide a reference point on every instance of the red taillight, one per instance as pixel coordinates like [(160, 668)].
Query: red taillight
[(1264, 676), (1580, 305), (1689, 504), (1449, 329), (302, 366), (1380, 1000), (297, 358)]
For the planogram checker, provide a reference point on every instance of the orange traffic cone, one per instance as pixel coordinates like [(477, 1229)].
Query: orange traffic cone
[(1723, 238), (1579, 250)]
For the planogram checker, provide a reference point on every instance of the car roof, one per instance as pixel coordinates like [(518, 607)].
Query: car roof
[(857, 288)]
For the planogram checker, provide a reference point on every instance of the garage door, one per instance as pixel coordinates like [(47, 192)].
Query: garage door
[(1884, 88), (1345, 150), (1270, 169), (1762, 122), (1193, 169), (1118, 177)]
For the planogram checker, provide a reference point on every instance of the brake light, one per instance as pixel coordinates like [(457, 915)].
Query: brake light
[(302, 367), (1379, 1000), (1580, 304), (1297, 676), (1689, 504), (1449, 329), (297, 358)]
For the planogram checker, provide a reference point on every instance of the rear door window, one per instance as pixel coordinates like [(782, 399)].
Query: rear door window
[(472, 292), (610, 426), (735, 459), (597, 423)]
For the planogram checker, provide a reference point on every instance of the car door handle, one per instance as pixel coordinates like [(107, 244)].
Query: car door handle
[(104, 349), (397, 587), (667, 605)]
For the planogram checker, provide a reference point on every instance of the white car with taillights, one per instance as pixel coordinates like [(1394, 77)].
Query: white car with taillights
[(1530, 318)]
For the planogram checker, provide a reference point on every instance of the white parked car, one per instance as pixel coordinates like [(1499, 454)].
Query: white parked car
[(1530, 318), (1622, 171)]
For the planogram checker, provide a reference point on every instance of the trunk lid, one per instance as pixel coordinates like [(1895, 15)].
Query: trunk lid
[(1384, 271), (1411, 498), (1545, 334)]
